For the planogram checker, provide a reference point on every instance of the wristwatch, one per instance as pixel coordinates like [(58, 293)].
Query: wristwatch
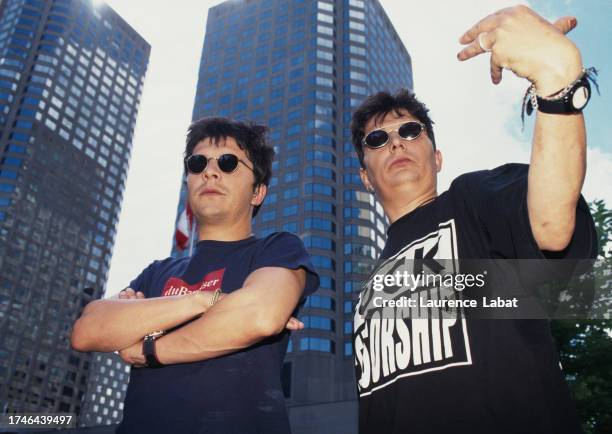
[(571, 99), (148, 349)]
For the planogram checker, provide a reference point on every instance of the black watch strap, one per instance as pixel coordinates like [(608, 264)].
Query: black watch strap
[(148, 351), (572, 102)]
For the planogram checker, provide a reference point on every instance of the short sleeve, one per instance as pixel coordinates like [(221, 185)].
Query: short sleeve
[(283, 249), (143, 281), (501, 196)]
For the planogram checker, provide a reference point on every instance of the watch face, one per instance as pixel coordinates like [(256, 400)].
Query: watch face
[(580, 97)]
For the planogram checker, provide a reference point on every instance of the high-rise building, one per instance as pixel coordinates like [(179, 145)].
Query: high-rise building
[(300, 67), (71, 76)]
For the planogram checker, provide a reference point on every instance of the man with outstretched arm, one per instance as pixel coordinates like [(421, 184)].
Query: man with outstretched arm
[(442, 373), (205, 333)]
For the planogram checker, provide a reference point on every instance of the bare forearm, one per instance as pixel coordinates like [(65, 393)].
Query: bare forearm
[(228, 327), (240, 320), (556, 174), (110, 325), (558, 163), (557, 169)]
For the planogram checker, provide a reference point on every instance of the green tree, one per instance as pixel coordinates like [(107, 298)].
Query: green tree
[(585, 348)]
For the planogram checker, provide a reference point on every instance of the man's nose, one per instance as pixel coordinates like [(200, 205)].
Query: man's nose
[(395, 141), (212, 170)]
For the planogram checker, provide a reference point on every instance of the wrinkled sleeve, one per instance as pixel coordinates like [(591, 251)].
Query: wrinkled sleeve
[(142, 282), (283, 249), (500, 197)]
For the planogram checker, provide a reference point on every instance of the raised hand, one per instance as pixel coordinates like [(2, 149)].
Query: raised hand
[(522, 41)]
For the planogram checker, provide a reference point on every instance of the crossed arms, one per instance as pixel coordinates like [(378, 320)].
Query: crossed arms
[(260, 309)]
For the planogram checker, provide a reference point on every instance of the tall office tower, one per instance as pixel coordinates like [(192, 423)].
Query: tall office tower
[(300, 67), (71, 76)]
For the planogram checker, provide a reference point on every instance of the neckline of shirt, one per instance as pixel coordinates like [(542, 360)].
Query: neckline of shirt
[(410, 214), (218, 243)]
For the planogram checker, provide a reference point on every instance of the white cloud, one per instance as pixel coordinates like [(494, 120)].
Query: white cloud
[(598, 176)]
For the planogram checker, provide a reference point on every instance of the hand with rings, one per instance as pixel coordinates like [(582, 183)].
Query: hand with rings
[(528, 45)]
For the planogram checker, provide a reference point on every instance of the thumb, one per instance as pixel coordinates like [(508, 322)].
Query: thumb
[(566, 24)]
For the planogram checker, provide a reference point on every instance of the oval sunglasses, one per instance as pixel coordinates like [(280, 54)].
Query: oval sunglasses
[(407, 130), (228, 163)]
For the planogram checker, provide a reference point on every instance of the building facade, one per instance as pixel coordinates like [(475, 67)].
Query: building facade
[(71, 76), (301, 67)]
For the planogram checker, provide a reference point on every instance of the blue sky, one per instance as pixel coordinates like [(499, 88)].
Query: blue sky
[(594, 38)]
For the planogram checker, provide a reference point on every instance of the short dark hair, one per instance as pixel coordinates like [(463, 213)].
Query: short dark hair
[(380, 105), (249, 136)]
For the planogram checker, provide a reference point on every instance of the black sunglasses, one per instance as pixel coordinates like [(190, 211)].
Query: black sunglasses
[(228, 163), (407, 130)]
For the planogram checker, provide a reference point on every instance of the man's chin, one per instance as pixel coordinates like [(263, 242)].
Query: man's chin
[(210, 213), (402, 177)]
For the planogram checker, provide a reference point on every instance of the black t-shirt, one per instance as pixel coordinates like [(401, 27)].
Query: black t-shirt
[(236, 393), (466, 375)]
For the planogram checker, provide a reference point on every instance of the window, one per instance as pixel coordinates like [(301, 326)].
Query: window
[(320, 302), (358, 230), (320, 206), (358, 267), (348, 327), (325, 6), (319, 242), (327, 157), (317, 344), (323, 262), (320, 224), (290, 211), (291, 176), (316, 188), (348, 307), (359, 213), (348, 348), (268, 216), (290, 227), (327, 282), (322, 172), (366, 250), (290, 193), (319, 322), (323, 18)]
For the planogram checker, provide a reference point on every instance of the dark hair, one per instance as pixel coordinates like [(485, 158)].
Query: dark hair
[(250, 138), (380, 105)]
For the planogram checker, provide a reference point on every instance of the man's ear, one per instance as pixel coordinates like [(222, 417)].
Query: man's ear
[(363, 174), (259, 194), (438, 158)]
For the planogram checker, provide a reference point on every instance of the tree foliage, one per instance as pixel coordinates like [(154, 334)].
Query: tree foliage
[(585, 348)]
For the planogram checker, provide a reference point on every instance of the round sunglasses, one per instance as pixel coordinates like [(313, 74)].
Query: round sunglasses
[(228, 163), (407, 130)]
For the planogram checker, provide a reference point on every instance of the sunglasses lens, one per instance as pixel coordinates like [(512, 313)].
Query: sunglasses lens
[(196, 163), (410, 130), (376, 139), (228, 163)]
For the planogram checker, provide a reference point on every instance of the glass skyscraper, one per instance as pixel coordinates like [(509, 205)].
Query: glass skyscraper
[(301, 67), (71, 76)]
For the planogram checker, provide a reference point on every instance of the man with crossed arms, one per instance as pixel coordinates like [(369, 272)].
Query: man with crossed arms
[(216, 369)]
